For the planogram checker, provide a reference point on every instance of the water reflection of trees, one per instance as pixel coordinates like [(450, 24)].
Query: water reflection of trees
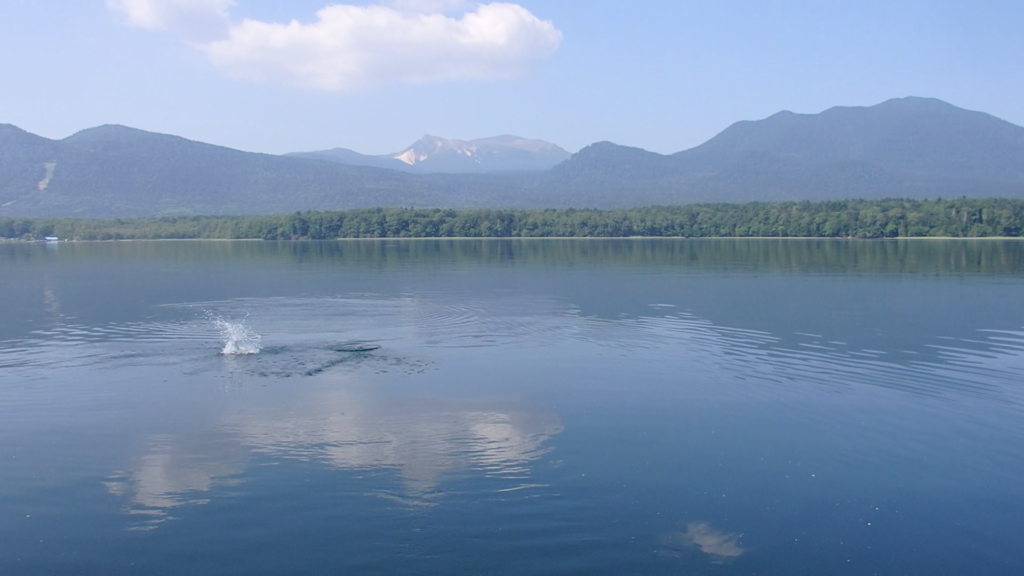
[(996, 257)]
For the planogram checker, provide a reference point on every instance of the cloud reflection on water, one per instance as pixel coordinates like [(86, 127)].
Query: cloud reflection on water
[(424, 441), (721, 546), (174, 471)]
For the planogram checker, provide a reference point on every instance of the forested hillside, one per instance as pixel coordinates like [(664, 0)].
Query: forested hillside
[(902, 148), (961, 218)]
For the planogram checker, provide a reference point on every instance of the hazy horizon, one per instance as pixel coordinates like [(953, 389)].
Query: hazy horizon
[(398, 149)]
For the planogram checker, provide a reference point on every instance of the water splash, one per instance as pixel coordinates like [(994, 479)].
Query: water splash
[(239, 339)]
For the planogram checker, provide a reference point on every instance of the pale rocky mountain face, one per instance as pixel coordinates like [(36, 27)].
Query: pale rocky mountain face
[(446, 155), (504, 152)]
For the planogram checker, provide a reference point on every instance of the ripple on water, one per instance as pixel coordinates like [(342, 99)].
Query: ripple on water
[(308, 336)]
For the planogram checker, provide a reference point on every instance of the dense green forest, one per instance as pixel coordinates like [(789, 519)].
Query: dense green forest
[(961, 218)]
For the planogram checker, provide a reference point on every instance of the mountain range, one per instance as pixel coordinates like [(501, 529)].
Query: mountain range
[(907, 147), (432, 154)]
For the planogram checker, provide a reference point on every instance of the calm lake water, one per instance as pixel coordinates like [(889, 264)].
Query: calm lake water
[(534, 407)]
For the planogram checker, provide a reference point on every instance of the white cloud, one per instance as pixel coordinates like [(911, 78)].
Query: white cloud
[(427, 6), (196, 21), (355, 47)]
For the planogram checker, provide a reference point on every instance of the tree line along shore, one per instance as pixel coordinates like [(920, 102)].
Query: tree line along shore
[(892, 218)]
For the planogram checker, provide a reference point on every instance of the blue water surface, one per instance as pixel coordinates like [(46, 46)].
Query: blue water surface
[(533, 407)]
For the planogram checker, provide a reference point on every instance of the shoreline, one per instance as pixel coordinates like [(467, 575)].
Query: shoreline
[(490, 238)]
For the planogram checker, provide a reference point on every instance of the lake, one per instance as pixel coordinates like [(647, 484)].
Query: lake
[(512, 407)]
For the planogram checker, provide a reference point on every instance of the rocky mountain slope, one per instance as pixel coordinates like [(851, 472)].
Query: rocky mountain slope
[(432, 154)]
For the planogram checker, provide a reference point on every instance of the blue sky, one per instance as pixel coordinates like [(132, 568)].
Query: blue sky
[(664, 76)]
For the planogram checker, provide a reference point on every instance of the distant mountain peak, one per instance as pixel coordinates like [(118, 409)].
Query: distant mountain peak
[(110, 129), (505, 138), (916, 101), (115, 133), (495, 153), (12, 129), (436, 154), (606, 145), (429, 145)]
